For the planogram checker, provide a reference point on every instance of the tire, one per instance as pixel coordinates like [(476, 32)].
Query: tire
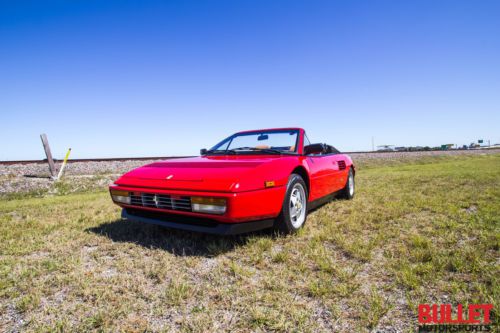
[(348, 192), (293, 214)]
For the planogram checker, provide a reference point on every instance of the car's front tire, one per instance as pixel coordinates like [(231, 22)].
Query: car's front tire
[(294, 211)]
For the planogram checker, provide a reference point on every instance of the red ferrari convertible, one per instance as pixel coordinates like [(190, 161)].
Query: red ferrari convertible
[(251, 180)]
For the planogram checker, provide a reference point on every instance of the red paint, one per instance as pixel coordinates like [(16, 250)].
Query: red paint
[(445, 314), (240, 179)]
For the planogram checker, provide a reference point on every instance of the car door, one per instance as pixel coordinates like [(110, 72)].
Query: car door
[(321, 175)]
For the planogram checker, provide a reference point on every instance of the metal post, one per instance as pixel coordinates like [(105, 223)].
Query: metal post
[(46, 147), (63, 165)]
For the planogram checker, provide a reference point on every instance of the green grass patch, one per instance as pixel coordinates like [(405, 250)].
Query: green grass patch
[(425, 230)]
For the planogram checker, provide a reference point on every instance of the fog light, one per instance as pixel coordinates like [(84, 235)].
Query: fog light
[(120, 196), (208, 205)]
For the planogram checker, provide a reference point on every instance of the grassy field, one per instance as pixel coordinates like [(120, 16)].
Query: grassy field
[(425, 231)]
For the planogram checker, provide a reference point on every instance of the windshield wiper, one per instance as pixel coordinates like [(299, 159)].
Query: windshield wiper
[(221, 151), (276, 151)]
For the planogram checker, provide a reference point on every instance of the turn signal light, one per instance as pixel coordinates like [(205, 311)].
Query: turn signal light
[(120, 196), (208, 205)]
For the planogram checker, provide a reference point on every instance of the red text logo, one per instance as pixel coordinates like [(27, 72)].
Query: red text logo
[(448, 314)]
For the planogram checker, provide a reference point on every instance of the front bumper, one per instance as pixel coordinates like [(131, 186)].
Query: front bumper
[(196, 224), (242, 207)]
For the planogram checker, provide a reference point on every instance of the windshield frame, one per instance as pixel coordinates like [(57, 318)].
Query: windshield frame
[(227, 142)]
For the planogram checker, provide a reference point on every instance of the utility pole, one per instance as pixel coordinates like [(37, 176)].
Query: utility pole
[(373, 143)]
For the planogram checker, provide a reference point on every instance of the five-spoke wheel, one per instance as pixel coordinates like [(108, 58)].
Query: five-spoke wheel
[(298, 205), (294, 211)]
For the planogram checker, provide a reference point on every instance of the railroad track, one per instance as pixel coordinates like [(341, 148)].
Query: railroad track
[(113, 159), (118, 159)]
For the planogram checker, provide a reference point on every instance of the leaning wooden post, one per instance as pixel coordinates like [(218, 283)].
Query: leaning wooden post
[(46, 147)]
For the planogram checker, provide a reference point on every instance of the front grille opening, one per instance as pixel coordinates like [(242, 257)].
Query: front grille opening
[(192, 220), (161, 201)]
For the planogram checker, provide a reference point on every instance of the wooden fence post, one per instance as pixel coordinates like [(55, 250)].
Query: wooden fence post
[(46, 147)]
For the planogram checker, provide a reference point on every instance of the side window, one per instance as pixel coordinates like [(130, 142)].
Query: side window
[(306, 140), (225, 145)]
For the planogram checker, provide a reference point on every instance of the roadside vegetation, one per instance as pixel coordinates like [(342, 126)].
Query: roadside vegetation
[(420, 231)]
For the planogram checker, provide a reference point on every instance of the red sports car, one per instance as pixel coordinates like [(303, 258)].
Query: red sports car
[(251, 180)]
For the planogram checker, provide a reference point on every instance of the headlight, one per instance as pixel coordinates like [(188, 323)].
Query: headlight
[(120, 196), (208, 205)]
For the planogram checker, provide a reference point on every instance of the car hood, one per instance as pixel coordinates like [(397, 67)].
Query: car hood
[(207, 173)]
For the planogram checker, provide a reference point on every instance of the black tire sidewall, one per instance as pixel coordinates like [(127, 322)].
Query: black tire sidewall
[(346, 193), (283, 223)]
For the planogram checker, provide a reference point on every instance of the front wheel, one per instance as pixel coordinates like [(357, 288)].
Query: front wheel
[(294, 211)]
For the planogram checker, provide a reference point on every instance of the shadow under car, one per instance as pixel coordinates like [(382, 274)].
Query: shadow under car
[(177, 242)]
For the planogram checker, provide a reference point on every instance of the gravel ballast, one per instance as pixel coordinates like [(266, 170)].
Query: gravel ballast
[(34, 177)]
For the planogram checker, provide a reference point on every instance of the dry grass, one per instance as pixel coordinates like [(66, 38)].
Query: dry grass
[(425, 231)]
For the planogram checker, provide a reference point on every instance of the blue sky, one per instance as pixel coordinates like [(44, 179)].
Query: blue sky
[(150, 78)]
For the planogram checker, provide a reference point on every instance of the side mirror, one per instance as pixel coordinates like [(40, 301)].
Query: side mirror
[(203, 151), (315, 148)]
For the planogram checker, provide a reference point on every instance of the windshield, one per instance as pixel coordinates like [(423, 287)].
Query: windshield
[(268, 142)]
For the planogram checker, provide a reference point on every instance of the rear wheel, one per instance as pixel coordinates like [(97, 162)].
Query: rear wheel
[(294, 211), (348, 191)]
